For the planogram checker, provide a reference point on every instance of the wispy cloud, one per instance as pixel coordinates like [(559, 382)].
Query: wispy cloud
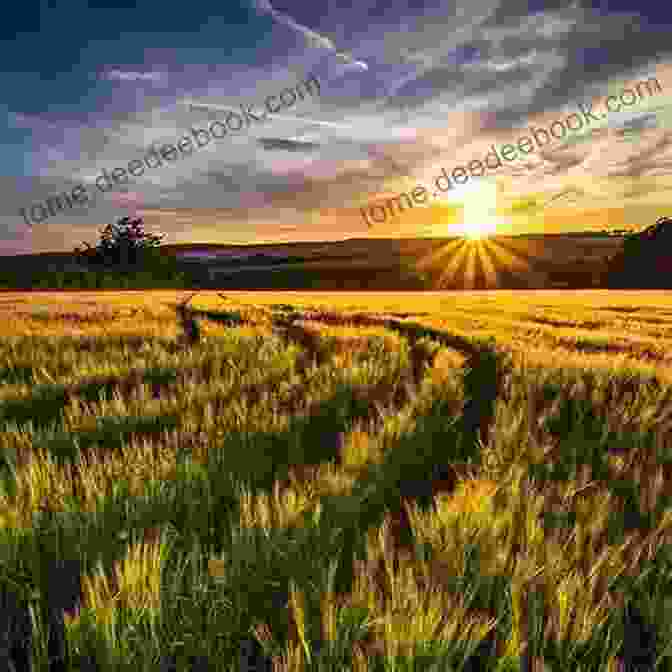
[(130, 76), (311, 38), (279, 117)]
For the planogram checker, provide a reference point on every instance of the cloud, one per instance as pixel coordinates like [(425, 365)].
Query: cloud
[(311, 38), (280, 117), (349, 60), (287, 145), (31, 121), (444, 89), (129, 76)]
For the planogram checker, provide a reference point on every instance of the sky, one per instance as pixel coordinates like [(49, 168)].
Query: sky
[(405, 90)]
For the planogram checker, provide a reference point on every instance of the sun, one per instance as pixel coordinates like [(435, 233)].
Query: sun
[(475, 257), (478, 229), (479, 218)]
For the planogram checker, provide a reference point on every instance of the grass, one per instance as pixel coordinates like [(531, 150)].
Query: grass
[(344, 482)]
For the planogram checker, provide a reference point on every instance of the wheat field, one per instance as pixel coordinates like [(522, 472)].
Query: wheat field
[(360, 481)]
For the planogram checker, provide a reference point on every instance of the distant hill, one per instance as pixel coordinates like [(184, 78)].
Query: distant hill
[(527, 262)]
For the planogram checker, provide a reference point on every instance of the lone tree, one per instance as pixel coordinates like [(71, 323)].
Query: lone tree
[(123, 244)]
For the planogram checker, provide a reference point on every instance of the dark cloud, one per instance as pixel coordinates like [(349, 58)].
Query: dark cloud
[(287, 145)]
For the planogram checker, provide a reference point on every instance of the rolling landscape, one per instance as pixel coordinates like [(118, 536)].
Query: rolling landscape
[(574, 261)]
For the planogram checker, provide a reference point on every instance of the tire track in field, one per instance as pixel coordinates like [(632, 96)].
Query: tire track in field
[(484, 367), (483, 375), (420, 466)]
